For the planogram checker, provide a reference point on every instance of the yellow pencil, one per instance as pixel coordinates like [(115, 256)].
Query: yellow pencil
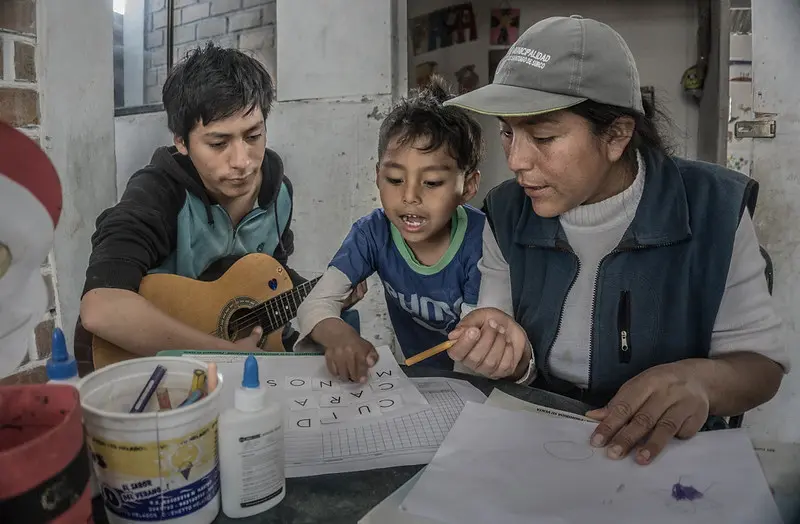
[(435, 350)]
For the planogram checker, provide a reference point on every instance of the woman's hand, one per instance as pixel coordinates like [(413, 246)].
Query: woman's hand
[(491, 343), (650, 409)]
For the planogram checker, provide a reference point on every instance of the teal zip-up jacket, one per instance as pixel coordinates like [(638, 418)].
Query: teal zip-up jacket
[(166, 222)]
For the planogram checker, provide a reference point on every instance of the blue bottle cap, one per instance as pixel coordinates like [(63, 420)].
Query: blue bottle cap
[(61, 365), (250, 378)]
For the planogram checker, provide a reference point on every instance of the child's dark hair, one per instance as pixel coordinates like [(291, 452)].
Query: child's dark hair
[(213, 83), (423, 115), (648, 127)]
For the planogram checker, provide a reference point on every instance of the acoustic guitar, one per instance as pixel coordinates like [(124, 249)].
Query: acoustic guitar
[(255, 291)]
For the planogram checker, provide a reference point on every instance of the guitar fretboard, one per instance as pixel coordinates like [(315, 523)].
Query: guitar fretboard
[(280, 310)]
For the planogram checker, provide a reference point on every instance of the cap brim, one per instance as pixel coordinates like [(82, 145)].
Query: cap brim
[(504, 100)]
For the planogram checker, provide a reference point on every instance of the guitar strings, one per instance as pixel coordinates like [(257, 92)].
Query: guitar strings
[(253, 318)]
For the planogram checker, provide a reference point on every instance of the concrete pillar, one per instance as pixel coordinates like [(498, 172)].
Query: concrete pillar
[(776, 38), (76, 82), (340, 65)]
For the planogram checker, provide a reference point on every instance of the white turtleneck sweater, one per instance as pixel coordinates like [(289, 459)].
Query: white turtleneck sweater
[(746, 320)]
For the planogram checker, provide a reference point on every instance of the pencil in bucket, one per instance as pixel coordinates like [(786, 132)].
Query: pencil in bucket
[(153, 464)]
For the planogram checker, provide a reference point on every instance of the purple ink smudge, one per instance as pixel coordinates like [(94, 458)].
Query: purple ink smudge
[(681, 492)]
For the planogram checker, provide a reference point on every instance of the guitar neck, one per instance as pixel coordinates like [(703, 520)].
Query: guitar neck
[(281, 309)]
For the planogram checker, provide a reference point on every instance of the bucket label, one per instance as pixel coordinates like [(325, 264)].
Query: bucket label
[(149, 503), (152, 481)]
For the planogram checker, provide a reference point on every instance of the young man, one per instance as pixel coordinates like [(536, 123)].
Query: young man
[(215, 196), (424, 243)]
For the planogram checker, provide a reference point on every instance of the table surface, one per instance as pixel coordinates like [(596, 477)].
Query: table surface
[(344, 498)]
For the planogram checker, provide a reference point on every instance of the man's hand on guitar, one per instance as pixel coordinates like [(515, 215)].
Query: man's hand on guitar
[(356, 295), (351, 358), (251, 343)]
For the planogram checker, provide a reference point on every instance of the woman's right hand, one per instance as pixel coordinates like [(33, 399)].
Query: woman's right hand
[(491, 343)]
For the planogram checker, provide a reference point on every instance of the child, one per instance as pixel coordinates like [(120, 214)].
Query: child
[(424, 243)]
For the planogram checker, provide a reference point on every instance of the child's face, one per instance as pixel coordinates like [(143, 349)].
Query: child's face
[(421, 190)]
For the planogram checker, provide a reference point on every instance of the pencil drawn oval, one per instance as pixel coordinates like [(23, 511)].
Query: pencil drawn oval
[(568, 450)]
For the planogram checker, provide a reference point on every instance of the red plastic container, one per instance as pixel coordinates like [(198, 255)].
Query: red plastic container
[(44, 466)]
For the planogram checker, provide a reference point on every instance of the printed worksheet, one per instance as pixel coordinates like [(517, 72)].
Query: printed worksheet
[(312, 397), (382, 441), (331, 426)]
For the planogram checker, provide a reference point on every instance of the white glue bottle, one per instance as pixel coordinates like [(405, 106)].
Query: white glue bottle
[(61, 367), (251, 449)]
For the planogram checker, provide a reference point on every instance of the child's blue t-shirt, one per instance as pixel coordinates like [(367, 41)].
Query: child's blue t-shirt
[(424, 302)]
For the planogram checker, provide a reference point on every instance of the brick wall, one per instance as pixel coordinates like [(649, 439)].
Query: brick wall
[(241, 24), (19, 106)]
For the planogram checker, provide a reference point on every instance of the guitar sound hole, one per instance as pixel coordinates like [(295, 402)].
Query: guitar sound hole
[(241, 324)]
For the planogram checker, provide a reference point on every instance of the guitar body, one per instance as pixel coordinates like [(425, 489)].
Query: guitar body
[(212, 307)]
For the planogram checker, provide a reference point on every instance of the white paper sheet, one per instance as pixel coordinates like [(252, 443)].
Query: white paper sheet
[(526, 468), (390, 421), (385, 441), (389, 512), (503, 400), (303, 383), (781, 464)]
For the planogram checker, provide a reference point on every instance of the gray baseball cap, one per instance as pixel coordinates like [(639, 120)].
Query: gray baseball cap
[(557, 63)]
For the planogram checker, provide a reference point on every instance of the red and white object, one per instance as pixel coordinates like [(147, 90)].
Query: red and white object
[(30, 206)]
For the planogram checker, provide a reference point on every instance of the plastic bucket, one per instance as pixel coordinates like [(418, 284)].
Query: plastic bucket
[(156, 466), (44, 469)]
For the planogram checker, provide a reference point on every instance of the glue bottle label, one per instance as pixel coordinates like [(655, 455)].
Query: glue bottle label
[(262, 467)]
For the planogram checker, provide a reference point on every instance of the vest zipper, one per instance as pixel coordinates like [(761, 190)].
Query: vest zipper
[(624, 326), (618, 249), (546, 363)]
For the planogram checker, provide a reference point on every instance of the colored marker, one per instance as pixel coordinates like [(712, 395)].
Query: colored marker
[(193, 397), (148, 389)]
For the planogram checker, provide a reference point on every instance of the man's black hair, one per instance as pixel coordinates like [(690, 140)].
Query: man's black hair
[(422, 116), (213, 83)]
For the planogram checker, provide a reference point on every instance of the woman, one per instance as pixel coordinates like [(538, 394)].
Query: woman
[(611, 271)]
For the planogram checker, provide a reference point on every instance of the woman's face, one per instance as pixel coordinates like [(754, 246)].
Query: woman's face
[(560, 163)]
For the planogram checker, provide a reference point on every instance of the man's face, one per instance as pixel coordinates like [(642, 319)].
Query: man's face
[(228, 153)]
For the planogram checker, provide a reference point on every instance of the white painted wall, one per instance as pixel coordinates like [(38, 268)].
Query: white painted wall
[(662, 35), (325, 125), (136, 138), (77, 110), (776, 166)]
